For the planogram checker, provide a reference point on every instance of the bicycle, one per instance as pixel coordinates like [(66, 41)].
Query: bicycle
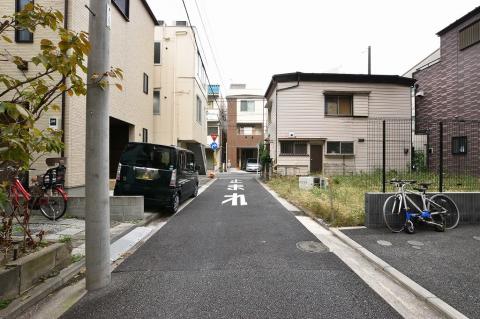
[(15, 208), (48, 194), (438, 210)]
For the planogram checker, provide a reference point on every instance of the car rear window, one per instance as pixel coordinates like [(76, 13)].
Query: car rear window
[(252, 161), (147, 155)]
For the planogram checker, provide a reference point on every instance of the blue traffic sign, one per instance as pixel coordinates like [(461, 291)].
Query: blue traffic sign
[(214, 146)]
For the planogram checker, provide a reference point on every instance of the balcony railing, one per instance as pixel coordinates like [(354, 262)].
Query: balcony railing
[(249, 131)]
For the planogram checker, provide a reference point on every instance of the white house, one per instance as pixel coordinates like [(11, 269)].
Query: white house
[(318, 122)]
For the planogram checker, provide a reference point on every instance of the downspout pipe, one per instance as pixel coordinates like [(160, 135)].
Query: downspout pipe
[(276, 117), (62, 125)]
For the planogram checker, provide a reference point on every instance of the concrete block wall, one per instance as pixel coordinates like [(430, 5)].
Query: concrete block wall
[(122, 208), (468, 204), (23, 273)]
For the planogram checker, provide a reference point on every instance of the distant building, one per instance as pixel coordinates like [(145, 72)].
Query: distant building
[(318, 122), (448, 91), (216, 117), (245, 116), (180, 91)]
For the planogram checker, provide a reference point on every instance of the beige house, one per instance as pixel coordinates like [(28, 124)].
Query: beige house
[(318, 122), (131, 49), (180, 90)]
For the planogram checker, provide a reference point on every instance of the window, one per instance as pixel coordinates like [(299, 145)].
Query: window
[(459, 145), (123, 6), (247, 106), (293, 148), (156, 102), (340, 148), (212, 129), (22, 35), (199, 110), (156, 53), (145, 83), (190, 162), (339, 105), (469, 35), (145, 135)]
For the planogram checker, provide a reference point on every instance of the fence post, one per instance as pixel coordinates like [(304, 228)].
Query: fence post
[(384, 175), (440, 158)]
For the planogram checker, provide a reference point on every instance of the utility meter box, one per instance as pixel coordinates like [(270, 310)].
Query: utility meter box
[(309, 182)]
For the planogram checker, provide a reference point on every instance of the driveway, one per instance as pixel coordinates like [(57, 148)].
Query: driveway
[(447, 264)]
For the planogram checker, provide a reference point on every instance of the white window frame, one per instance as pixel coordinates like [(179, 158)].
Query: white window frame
[(340, 154)]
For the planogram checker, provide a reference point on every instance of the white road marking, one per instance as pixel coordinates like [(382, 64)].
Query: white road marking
[(235, 187), (234, 199), (236, 181)]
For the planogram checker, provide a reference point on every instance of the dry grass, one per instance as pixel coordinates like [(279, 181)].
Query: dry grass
[(340, 205)]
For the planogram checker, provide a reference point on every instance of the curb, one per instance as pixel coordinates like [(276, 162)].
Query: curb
[(37, 293), (422, 293), (433, 301)]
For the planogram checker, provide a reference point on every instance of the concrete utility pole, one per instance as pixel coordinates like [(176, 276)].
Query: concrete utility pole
[(369, 60), (97, 217)]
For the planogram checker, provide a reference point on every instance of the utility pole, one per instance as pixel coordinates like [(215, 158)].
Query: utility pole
[(369, 60), (97, 216)]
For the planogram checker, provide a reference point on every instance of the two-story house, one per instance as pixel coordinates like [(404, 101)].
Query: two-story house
[(318, 122), (245, 117), (448, 91), (180, 89), (130, 109)]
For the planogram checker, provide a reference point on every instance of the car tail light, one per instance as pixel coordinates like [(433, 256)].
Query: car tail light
[(119, 169), (173, 179)]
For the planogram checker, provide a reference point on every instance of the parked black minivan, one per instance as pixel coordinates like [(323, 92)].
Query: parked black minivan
[(164, 175)]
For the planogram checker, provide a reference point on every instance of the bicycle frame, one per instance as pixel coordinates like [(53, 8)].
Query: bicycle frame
[(423, 212)]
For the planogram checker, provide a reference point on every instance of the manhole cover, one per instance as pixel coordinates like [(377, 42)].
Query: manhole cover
[(384, 242), (311, 246), (476, 237), (415, 243)]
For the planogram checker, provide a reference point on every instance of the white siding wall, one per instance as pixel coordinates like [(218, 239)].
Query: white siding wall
[(302, 110)]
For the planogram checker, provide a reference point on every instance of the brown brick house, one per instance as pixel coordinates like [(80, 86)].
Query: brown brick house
[(245, 108), (448, 91)]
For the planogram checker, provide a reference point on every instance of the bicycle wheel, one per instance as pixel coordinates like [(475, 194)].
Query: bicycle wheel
[(443, 202), (394, 214), (53, 205)]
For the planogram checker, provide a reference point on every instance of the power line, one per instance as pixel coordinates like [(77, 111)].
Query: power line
[(210, 44), (198, 50)]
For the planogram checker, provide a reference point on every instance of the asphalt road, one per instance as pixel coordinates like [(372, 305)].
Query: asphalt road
[(446, 264), (223, 261)]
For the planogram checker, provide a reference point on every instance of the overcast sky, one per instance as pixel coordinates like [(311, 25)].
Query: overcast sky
[(254, 39)]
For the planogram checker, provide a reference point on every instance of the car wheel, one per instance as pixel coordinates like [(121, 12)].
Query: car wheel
[(195, 190), (175, 203)]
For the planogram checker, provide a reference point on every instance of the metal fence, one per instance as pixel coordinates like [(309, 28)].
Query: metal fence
[(445, 154)]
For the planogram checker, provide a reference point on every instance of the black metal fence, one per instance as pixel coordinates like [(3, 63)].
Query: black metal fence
[(445, 154)]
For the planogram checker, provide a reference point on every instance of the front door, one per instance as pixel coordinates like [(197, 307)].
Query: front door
[(316, 158)]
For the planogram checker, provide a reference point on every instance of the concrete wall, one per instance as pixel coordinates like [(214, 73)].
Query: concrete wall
[(468, 205), (122, 208)]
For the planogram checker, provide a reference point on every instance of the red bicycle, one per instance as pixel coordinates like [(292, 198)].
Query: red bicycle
[(48, 194), (16, 208)]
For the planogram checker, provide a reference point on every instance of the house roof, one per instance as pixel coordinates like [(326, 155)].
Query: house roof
[(459, 21), (337, 77), (150, 12)]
